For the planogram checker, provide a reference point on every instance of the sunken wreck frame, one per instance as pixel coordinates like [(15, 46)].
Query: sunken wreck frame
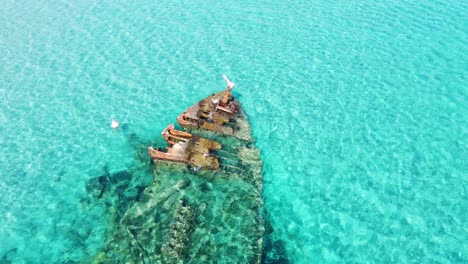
[(204, 204)]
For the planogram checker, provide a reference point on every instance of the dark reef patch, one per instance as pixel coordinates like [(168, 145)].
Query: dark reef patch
[(274, 250)]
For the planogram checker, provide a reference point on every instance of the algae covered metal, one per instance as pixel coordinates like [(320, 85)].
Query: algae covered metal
[(205, 202)]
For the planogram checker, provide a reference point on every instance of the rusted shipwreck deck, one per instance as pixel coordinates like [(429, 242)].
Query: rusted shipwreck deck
[(215, 113), (218, 113), (187, 148)]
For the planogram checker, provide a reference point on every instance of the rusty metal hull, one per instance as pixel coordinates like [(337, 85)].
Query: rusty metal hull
[(184, 147), (215, 113)]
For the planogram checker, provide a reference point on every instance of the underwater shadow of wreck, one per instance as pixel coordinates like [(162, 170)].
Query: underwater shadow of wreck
[(127, 185), (274, 250), (188, 214), (182, 214)]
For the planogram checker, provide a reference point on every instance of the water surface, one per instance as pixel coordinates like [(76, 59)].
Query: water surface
[(359, 109)]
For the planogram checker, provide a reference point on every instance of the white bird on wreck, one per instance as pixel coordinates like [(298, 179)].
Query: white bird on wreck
[(230, 84)]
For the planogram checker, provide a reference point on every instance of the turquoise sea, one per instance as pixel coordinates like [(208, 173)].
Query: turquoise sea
[(359, 108)]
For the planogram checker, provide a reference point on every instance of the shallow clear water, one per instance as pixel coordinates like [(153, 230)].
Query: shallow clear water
[(359, 109)]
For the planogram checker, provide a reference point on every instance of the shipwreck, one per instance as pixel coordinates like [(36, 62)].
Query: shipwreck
[(204, 204)]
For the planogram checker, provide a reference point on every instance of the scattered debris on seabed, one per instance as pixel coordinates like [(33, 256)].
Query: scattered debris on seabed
[(190, 213)]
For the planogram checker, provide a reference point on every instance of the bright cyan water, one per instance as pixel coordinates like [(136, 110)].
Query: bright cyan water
[(359, 109)]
